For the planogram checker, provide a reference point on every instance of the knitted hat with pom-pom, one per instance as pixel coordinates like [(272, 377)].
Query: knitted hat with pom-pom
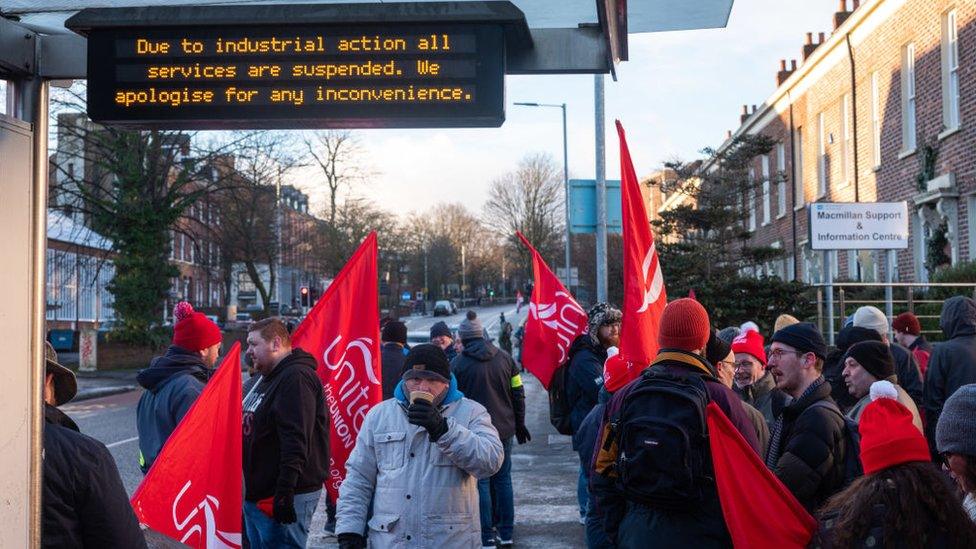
[(193, 331)]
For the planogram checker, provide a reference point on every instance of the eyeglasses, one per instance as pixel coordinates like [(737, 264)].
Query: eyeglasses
[(727, 363), (744, 365), (778, 353)]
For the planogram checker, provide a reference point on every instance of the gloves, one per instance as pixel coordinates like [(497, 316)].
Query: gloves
[(426, 415), (522, 434), (349, 540), (284, 508)]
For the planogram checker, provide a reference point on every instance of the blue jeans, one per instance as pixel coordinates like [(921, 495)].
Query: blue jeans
[(582, 491), (263, 531), (497, 502)]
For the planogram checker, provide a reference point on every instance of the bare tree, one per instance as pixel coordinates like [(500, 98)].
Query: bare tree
[(529, 199), (338, 154)]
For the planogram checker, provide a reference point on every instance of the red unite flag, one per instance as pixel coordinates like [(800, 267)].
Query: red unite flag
[(193, 491), (644, 294), (555, 319), (758, 509), (342, 332)]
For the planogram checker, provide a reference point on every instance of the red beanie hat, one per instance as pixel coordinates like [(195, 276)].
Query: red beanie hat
[(618, 371), (888, 436), (193, 331), (907, 323), (684, 325), (750, 342)]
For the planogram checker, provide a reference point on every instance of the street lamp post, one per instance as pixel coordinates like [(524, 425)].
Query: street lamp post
[(565, 178)]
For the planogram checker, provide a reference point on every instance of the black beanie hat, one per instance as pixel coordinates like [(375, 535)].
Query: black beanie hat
[(716, 349), (426, 361), (394, 332), (440, 329), (873, 356), (804, 337), (855, 334)]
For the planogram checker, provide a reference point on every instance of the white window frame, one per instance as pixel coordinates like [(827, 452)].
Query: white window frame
[(767, 210), (876, 118), (799, 189), (846, 141), (780, 180), (950, 70), (752, 199), (821, 156), (909, 123)]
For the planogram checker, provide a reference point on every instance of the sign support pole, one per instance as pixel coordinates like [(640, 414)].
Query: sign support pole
[(891, 256), (829, 277), (601, 192)]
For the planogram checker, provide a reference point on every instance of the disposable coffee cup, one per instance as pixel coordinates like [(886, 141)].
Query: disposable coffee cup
[(420, 395)]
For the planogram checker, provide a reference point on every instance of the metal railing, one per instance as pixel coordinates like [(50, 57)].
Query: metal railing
[(830, 320)]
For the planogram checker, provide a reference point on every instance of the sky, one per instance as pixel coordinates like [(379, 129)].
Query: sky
[(678, 93)]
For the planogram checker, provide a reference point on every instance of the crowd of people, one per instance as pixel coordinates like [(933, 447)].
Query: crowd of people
[(874, 436)]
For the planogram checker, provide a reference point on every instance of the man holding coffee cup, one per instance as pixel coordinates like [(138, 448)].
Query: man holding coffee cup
[(418, 458)]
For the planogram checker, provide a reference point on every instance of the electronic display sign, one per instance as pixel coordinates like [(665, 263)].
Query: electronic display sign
[(299, 75)]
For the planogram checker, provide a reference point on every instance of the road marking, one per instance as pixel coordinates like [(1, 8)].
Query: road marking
[(121, 442)]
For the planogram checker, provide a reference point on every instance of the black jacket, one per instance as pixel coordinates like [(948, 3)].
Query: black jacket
[(811, 460), (286, 431), (489, 376), (84, 503), (585, 377), (909, 376), (833, 372), (953, 362), (172, 382), (391, 362)]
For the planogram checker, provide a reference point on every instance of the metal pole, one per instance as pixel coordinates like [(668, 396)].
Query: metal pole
[(601, 191), (890, 276), (464, 279), (569, 241), (829, 276), (34, 106), (275, 291)]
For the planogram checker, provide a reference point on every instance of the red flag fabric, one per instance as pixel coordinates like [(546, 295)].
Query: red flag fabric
[(644, 294), (555, 319), (342, 332), (194, 490), (758, 509)]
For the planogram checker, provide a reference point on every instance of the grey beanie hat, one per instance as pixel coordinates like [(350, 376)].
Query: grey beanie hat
[(601, 314), (470, 327), (956, 431)]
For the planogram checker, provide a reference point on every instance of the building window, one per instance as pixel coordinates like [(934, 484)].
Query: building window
[(950, 70), (752, 199), (780, 179), (908, 98), (821, 156), (767, 216), (799, 199), (971, 208), (876, 118), (846, 144)]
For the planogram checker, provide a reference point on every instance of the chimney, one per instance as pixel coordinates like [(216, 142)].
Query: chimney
[(792, 65), (745, 114), (820, 38), (728, 134), (841, 14), (855, 4), (784, 73), (753, 109), (808, 46)]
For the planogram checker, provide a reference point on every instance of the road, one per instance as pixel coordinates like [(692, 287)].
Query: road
[(543, 473)]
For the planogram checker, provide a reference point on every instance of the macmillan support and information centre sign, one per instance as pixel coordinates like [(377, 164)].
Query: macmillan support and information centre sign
[(859, 225)]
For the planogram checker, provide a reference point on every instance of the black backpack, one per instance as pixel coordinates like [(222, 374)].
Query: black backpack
[(560, 408), (663, 457), (852, 443)]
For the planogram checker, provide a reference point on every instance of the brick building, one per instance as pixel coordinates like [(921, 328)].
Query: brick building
[(883, 109)]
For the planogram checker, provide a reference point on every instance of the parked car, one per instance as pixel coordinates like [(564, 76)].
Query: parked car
[(416, 338), (445, 307)]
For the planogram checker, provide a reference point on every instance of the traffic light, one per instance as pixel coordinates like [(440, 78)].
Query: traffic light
[(305, 299)]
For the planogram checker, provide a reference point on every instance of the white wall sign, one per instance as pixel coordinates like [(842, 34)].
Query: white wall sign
[(859, 225)]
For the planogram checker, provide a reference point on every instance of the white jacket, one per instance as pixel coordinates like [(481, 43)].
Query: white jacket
[(424, 494)]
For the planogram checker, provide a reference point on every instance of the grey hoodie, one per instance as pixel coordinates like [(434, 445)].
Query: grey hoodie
[(953, 362)]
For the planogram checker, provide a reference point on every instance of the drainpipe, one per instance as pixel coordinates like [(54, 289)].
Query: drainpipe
[(850, 56), (792, 207)]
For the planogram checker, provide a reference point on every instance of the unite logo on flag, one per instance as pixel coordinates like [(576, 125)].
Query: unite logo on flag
[(654, 284), (564, 317), (201, 522), (347, 389)]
